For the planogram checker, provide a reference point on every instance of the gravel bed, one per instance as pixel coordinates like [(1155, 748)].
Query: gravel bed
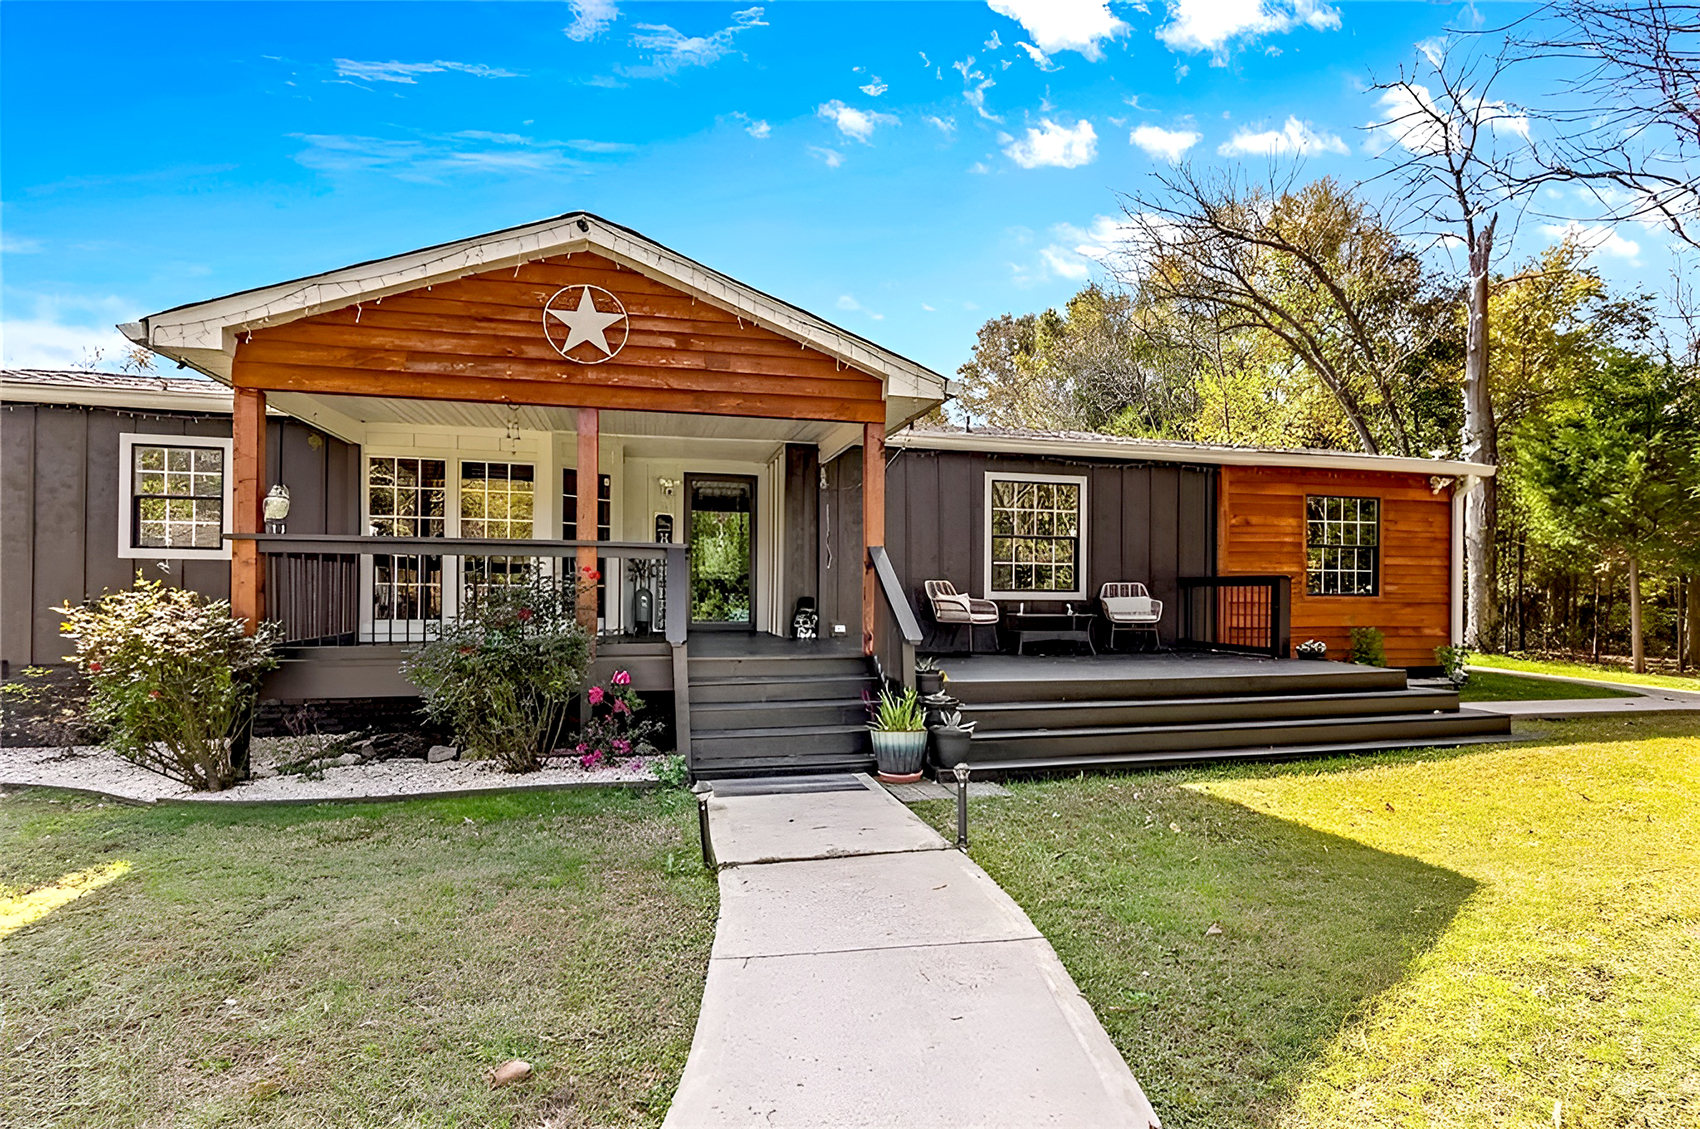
[(94, 769)]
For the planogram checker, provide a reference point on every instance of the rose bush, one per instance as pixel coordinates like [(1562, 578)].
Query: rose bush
[(612, 730), (173, 678), (504, 673)]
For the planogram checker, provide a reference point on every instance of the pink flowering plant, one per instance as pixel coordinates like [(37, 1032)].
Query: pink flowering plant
[(505, 672), (612, 731)]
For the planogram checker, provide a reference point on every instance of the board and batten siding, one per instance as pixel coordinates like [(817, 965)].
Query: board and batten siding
[(1146, 522), (481, 338), (59, 511), (1262, 526)]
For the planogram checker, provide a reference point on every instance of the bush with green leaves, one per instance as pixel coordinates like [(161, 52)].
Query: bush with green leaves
[(1369, 646), (173, 678), (504, 673), (1452, 661)]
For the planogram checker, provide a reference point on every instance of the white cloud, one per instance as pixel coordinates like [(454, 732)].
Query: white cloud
[(1599, 237), (428, 158), (1040, 59), (1053, 144), (847, 302), (672, 50), (946, 126), (755, 127), (12, 245), (1411, 118), (1064, 25), (856, 124), (977, 84), (1216, 25), (1164, 144), (68, 333), (832, 157), (1064, 264), (1296, 138), (874, 88), (1098, 241), (590, 19), (394, 71), (994, 42)]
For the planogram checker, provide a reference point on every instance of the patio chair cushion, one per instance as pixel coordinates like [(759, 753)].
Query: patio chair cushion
[(952, 608), (1132, 609)]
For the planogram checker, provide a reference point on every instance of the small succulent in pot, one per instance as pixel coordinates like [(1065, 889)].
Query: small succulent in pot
[(937, 705), (929, 679), (1311, 649), (951, 739)]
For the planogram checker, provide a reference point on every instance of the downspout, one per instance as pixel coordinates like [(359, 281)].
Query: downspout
[(1461, 490)]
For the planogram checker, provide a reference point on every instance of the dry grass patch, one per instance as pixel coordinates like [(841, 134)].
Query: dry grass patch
[(354, 965)]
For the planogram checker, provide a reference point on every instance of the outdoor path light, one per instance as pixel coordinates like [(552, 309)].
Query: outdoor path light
[(961, 771)]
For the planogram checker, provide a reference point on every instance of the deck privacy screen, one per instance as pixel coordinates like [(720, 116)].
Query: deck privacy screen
[(1342, 545), (1035, 536)]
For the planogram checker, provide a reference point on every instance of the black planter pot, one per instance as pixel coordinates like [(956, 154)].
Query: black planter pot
[(950, 746), (937, 705), (929, 682)]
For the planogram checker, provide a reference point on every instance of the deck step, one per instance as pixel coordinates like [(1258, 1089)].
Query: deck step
[(730, 768), (769, 715), (1400, 729), (1087, 684), (770, 666), (1115, 762), (780, 688), (799, 741), (999, 716)]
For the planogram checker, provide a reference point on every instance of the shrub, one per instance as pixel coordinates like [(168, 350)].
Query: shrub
[(172, 679), (672, 770), (612, 730), (1452, 661), (503, 673), (1369, 647)]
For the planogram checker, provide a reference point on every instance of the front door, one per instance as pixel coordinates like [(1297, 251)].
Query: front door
[(720, 526)]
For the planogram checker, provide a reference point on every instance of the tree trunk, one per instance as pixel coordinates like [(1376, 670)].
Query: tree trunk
[(1693, 623), (1596, 617), (1637, 648), (1481, 445)]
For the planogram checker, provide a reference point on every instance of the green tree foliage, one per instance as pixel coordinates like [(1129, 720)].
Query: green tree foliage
[(1614, 470)]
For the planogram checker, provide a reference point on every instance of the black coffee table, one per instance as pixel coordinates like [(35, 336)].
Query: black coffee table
[(1037, 627)]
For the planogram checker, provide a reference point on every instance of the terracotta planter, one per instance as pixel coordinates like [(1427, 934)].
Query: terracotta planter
[(899, 755)]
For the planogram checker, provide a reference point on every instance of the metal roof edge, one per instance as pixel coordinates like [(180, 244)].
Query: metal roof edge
[(1112, 450)]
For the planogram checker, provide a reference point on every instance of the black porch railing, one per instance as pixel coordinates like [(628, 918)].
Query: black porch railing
[(1244, 614), (898, 629), (347, 590)]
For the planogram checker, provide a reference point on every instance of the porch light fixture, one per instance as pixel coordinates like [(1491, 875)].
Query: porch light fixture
[(668, 485), (276, 508)]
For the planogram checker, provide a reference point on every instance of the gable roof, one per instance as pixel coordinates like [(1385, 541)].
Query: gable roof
[(204, 334), (1093, 445)]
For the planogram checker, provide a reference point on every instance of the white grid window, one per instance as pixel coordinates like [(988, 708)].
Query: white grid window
[(174, 496), (1035, 530), (1342, 546), (405, 497), (496, 500)]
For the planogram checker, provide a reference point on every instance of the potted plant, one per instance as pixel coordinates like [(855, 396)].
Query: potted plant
[(936, 706), (929, 679), (899, 734), (1311, 649), (951, 739)]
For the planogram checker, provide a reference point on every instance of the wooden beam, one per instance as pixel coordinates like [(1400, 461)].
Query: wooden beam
[(247, 567), (873, 524), (589, 435)]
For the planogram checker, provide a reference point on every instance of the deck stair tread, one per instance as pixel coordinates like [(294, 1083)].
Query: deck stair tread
[(777, 731), (1110, 761), (1412, 694), (1241, 724), (769, 679)]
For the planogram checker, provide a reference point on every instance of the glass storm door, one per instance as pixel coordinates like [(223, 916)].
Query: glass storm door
[(405, 498), (720, 520)]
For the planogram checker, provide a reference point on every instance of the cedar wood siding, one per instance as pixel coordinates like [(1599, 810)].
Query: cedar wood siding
[(481, 338), (1263, 531), (1149, 523), (59, 511)]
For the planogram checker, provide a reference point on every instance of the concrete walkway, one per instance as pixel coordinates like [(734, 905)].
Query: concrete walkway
[(865, 974), (1647, 698)]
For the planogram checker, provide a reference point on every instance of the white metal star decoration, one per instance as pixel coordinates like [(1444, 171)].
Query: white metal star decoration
[(584, 322)]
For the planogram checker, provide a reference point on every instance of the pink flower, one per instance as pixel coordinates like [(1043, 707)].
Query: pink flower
[(620, 706), (622, 746), (591, 760), (524, 614), (595, 695), (621, 678), (153, 693)]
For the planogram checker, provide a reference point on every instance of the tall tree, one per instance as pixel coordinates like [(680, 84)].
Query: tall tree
[(1616, 470)]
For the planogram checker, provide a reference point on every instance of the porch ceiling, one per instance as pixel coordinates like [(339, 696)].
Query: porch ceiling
[(348, 416)]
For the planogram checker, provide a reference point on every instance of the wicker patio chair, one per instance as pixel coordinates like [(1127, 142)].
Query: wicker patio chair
[(952, 607), (1129, 607)]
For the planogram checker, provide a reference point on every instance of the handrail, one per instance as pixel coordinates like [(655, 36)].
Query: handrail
[(1258, 624), (893, 591), (447, 546)]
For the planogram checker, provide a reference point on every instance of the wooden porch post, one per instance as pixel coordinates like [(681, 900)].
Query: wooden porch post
[(873, 524), (247, 566), (589, 432)]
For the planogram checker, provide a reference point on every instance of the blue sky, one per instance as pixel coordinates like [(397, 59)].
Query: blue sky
[(904, 169)]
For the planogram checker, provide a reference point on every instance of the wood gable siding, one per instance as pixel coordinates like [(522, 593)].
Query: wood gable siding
[(481, 338), (59, 511), (1262, 524)]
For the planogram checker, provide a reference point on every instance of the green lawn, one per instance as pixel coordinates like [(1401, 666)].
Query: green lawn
[(1430, 938), (1586, 670), (1492, 686), (349, 965)]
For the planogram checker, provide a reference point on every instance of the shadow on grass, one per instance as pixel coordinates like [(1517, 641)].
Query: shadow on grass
[(1128, 876)]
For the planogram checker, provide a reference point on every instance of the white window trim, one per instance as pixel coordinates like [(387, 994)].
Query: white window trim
[(127, 442), (1079, 593)]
